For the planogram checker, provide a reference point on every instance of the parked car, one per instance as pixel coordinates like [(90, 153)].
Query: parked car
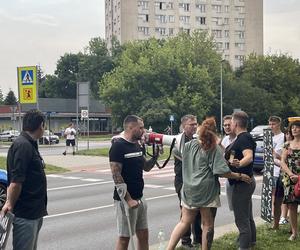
[(49, 138), (258, 163), (9, 135), (3, 187), (258, 131)]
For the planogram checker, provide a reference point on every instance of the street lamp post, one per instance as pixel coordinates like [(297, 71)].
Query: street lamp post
[(221, 97)]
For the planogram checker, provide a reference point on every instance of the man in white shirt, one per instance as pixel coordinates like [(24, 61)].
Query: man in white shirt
[(230, 136), (277, 194), (70, 134)]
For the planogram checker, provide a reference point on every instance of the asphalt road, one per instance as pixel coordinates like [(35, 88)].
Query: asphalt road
[(81, 213)]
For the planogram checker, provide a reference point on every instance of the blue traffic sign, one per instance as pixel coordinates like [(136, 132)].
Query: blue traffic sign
[(27, 77)]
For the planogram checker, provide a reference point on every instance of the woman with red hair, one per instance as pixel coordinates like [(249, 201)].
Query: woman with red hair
[(203, 163)]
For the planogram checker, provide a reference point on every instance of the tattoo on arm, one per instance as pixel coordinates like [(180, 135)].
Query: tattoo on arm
[(116, 169), (148, 165)]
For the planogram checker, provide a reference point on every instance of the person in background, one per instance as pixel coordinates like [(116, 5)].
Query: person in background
[(70, 134), (277, 192), (240, 155), (202, 164), (290, 164), (27, 184), (189, 127)]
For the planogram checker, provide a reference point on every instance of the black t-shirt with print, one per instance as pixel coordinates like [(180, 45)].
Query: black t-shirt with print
[(130, 155), (243, 141)]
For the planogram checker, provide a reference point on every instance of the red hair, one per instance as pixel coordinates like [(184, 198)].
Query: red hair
[(207, 133)]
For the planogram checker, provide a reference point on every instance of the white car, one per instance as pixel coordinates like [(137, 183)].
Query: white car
[(9, 135), (258, 131), (49, 138)]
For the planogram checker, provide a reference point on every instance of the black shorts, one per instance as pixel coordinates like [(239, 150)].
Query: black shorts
[(70, 142)]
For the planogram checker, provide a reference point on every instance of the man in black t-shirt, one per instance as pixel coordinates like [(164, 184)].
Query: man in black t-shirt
[(127, 163), (27, 190), (243, 150)]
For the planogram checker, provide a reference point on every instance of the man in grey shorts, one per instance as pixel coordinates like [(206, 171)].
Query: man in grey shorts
[(127, 163)]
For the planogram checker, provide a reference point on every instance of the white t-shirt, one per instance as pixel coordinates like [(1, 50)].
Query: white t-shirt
[(278, 141), (70, 135), (226, 141)]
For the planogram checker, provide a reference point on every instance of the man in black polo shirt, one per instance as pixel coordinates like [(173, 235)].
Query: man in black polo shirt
[(27, 190), (242, 150), (127, 163)]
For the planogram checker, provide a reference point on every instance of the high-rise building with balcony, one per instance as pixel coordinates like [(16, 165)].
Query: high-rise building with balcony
[(236, 25)]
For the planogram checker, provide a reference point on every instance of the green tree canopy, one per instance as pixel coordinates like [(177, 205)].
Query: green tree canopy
[(156, 78), (10, 99)]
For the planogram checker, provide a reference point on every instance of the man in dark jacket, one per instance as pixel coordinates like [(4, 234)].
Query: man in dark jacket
[(27, 190)]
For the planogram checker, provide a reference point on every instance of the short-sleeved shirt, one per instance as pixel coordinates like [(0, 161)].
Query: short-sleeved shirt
[(71, 133), (200, 172), (130, 155), (278, 142), (243, 141), (26, 166)]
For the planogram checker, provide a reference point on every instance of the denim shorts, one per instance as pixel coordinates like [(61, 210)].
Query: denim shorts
[(137, 218)]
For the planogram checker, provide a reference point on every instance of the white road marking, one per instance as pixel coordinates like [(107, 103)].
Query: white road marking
[(72, 178), (81, 185), (153, 186), (170, 188), (55, 175), (91, 180)]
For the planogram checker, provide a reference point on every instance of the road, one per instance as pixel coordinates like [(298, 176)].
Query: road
[(81, 213)]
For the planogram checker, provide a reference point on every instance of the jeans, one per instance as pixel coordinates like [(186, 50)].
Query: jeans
[(242, 209), (25, 233)]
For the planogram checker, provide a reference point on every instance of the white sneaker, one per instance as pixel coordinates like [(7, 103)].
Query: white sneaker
[(283, 221)]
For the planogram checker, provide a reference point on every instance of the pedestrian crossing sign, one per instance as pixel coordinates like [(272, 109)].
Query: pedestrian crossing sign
[(27, 81)]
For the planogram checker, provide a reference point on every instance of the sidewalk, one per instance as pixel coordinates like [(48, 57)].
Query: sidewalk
[(77, 163)]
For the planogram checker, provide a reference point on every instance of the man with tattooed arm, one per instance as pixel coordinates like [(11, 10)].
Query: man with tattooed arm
[(127, 163)]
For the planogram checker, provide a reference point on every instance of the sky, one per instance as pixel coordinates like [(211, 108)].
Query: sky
[(39, 32)]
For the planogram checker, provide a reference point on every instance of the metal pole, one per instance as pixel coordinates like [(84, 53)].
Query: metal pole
[(77, 94), (88, 118), (221, 99), (20, 122)]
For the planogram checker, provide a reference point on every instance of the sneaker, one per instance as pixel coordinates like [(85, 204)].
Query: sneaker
[(187, 246), (293, 237), (283, 221), (64, 153)]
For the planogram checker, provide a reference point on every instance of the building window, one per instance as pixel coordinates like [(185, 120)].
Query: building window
[(171, 31), (171, 19), (240, 34), (161, 31), (217, 33), (201, 7), (216, 8), (219, 46), (226, 33), (240, 9), (144, 17), (226, 8), (240, 46), (185, 19), (160, 5), (226, 45), (185, 6), (143, 4), (170, 6), (240, 21), (162, 18), (226, 21), (144, 30), (201, 20), (216, 20)]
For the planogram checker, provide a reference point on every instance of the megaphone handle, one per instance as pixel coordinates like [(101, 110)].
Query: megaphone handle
[(170, 153)]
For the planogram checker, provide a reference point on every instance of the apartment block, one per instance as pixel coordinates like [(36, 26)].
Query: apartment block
[(236, 25)]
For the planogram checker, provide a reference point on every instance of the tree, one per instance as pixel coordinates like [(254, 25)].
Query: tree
[(1, 97), (10, 99), (156, 78)]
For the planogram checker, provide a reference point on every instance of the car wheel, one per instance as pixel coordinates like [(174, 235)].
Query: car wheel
[(2, 194)]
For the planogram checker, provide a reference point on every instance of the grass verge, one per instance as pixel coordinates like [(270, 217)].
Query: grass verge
[(105, 151), (266, 239), (50, 169)]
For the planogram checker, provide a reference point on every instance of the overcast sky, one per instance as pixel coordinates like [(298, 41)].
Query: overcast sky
[(36, 32)]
